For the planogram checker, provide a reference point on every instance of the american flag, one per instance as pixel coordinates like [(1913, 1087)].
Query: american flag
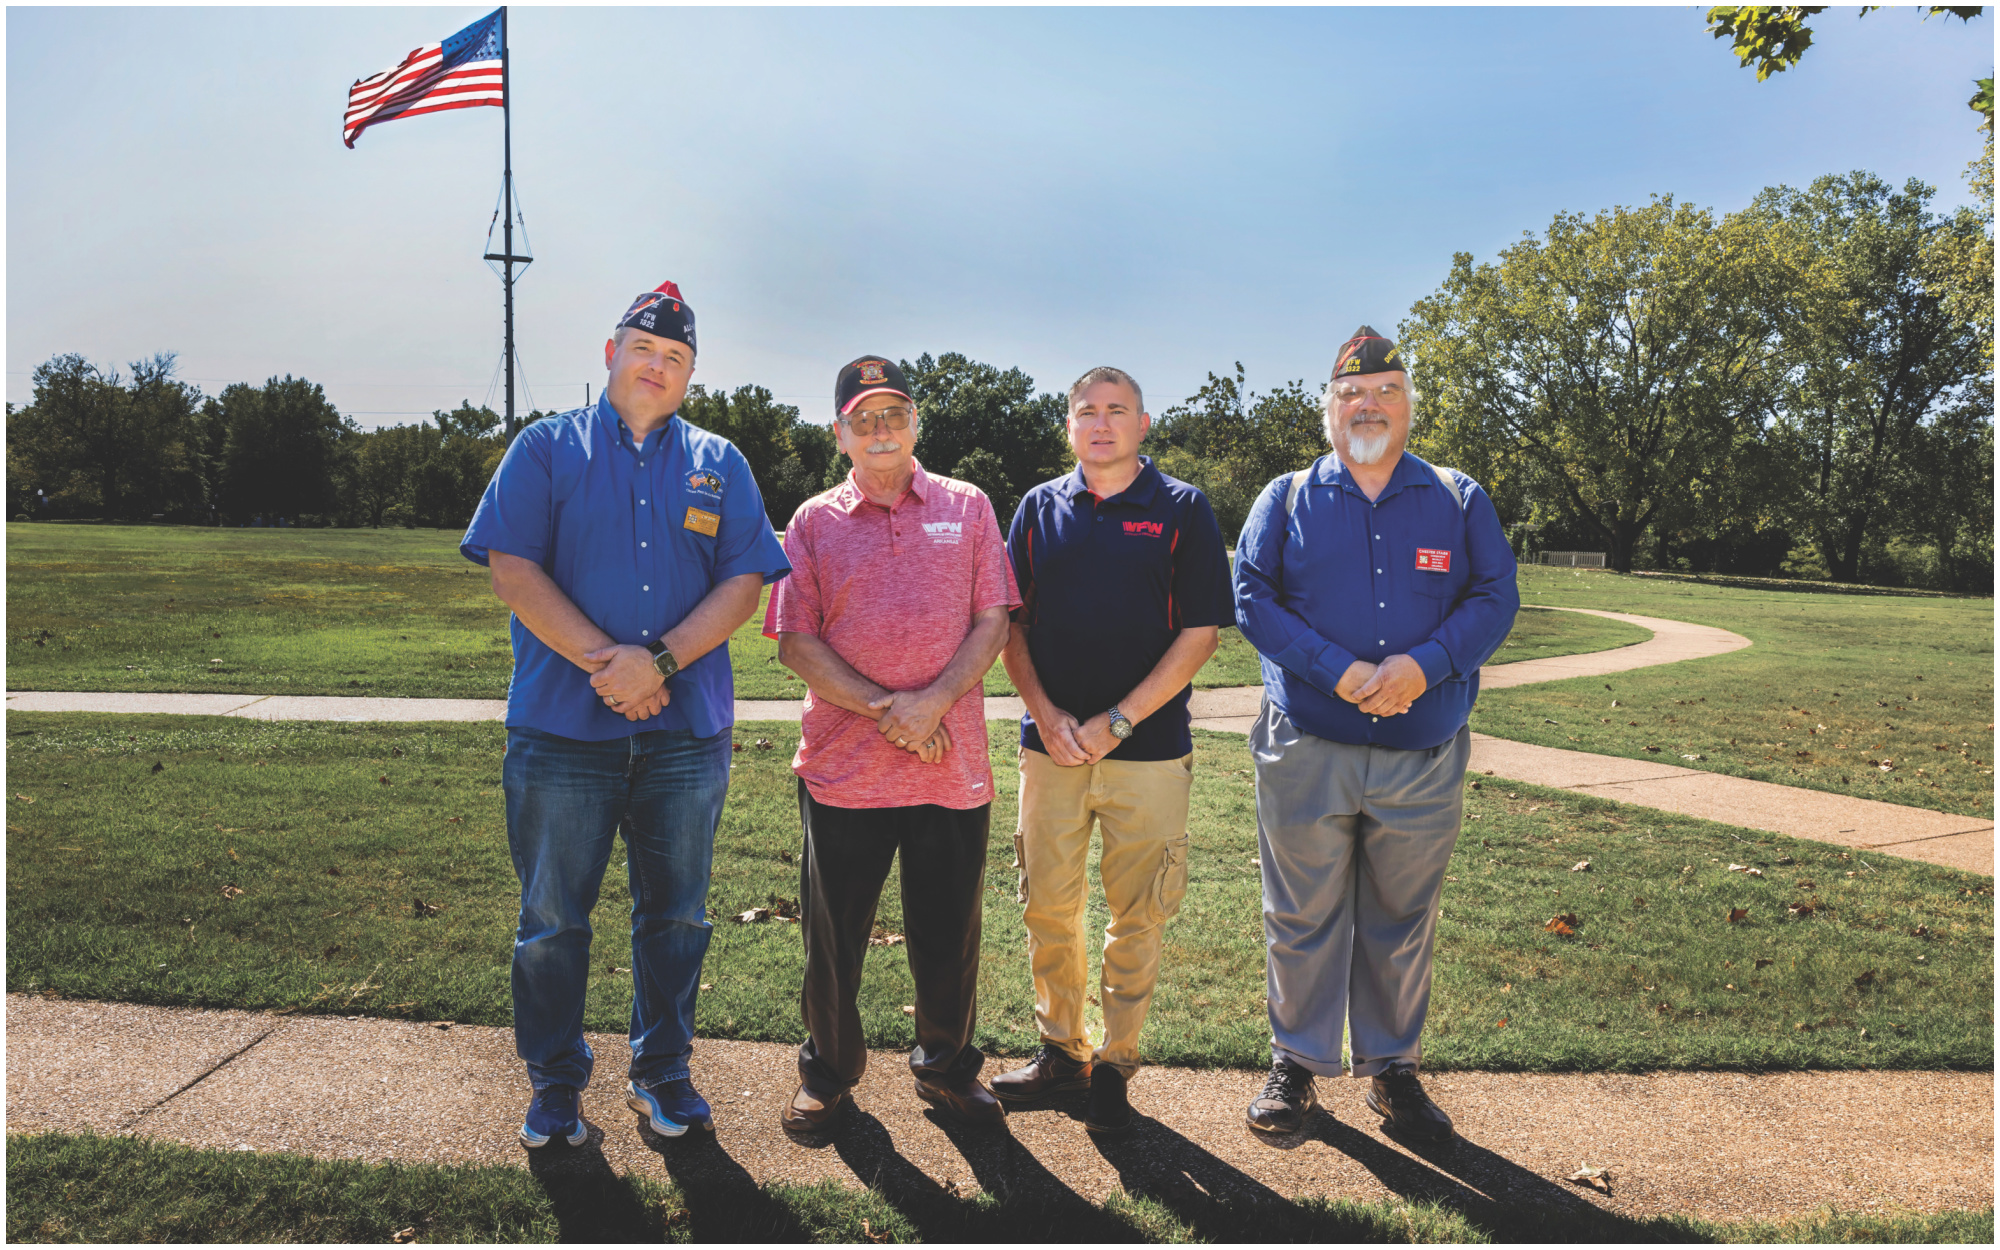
[(464, 71)]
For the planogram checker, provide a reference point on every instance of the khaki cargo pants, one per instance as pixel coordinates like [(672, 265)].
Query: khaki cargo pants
[(1141, 808)]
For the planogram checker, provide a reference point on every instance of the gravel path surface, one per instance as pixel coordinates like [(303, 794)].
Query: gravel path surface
[(1714, 1145)]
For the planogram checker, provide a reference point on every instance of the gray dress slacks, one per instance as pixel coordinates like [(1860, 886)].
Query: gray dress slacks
[(1354, 841)]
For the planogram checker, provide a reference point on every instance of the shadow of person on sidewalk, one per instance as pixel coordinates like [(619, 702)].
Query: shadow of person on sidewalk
[(591, 1201), (723, 1201)]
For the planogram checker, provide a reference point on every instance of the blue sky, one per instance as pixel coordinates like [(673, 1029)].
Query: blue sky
[(1167, 190)]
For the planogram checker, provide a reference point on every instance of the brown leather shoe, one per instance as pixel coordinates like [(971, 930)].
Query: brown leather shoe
[(812, 1112), (1049, 1072), (968, 1102)]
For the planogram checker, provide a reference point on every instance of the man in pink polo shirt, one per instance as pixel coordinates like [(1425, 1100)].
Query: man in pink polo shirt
[(897, 605)]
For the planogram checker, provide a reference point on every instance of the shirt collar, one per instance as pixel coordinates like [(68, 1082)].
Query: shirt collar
[(1140, 492), (1328, 470), (614, 425), (851, 498)]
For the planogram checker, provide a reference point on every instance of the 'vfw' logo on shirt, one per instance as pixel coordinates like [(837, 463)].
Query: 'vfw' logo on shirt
[(1152, 529), (945, 531)]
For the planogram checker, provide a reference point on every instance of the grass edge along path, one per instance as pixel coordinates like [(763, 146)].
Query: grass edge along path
[(88, 1188), (339, 868)]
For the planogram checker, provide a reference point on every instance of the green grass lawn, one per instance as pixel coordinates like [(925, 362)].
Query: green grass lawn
[(1835, 687), (93, 1189), (123, 877), (369, 612), (86, 1188)]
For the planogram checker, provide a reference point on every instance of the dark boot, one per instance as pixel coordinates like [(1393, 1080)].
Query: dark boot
[(1289, 1096), (1398, 1097), (812, 1112), (967, 1102), (1049, 1072), (1108, 1112)]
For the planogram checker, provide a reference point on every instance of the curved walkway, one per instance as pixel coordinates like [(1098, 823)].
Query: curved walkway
[(1964, 842), (1717, 1145)]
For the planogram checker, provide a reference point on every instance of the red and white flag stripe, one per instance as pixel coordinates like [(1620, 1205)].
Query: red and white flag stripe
[(421, 85)]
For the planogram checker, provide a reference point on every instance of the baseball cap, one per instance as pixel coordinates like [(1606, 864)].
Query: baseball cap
[(868, 375)]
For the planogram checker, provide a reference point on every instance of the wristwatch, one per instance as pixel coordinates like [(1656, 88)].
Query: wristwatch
[(664, 662), (1121, 728)]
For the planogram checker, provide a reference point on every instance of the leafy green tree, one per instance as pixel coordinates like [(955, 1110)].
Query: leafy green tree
[(965, 406), (766, 432), (1231, 442), (1877, 342), (281, 449), (96, 445), (1623, 358), (1773, 37), (469, 421)]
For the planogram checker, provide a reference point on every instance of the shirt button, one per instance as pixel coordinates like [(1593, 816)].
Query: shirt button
[(1381, 642), (645, 587), (642, 633), (1378, 570), (1381, 605), (1375, 718), (642, 503), (642, 544), (642, 464), (1378, 538)]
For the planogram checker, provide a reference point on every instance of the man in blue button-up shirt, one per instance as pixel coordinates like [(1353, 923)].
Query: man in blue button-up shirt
[(1374, 585), (629, 545)]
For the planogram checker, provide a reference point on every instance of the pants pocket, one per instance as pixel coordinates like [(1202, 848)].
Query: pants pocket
[(1170, 884), (1020, 872)]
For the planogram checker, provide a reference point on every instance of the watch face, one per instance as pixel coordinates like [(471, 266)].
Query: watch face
[(1121, 728)]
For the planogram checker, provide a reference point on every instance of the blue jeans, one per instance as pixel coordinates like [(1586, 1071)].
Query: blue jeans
[(566, 801)]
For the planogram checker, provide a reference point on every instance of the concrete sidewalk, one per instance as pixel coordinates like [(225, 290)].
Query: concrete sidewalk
[(1722, 1146), (1909, 832)]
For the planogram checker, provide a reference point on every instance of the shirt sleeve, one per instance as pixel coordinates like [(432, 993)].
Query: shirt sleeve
[(514, 514), (1201, 570), (795, 606), (992, 573), (744, 542), (1480, 620), (1021, 554), (1280, 634)]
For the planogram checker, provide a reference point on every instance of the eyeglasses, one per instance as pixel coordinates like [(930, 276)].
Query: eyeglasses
[(1388, 392), (863, 424)]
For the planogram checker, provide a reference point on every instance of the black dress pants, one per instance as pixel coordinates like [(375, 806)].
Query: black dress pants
[(848, 852)]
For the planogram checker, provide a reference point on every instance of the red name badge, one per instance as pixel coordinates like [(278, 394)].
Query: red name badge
[(1433, 560)]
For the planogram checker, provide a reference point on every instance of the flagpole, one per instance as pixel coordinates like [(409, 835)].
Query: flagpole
[(507, 231)]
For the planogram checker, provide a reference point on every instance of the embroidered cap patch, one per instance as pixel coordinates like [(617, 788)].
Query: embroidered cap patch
[(1430, 559)]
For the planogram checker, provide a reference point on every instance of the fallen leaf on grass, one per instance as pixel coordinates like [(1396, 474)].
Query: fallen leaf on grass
[(1765, 963), (763, 744), (1563, 925), (615, 970), (25, 798), (384, 779), (424, 909), (454, 820), (869, 1234), (1804, 907), (735, 746), (1920, 931), (159, 767), (1738, 913), (1596, 1178), (783, 908), (754, 915), (403, 1235), (1500, 1023), (909, 1010), (882, 937), (1865, 979), (784, 857), (707, 985), (1654, 750), (1581, 865), (230, 891)]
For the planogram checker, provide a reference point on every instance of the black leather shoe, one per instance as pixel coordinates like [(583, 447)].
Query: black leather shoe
[(1049, 1072), (813, 1112), (1399, 1098), (968, 1102), (1289, 1096), (1108, 1111)]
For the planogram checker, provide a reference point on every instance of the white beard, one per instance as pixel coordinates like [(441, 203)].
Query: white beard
[(1365, 450)]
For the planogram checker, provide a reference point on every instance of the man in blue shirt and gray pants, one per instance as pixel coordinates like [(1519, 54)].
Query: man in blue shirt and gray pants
[(629, 544), (1374, 585)]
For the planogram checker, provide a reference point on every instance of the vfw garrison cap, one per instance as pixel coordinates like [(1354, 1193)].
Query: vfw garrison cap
[(1366, 352), (661, 312)]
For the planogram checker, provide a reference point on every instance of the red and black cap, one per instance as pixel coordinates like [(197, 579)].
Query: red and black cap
[(869, 375), (661, 312), (1367, 352)]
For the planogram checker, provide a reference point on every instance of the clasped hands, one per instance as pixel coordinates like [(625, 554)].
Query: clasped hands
[(624, 677), (914, 721), (1072, 744), (1385, 689)]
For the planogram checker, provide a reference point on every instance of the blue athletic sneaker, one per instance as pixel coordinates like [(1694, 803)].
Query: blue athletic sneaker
[(671, 1107), (553, 1114)]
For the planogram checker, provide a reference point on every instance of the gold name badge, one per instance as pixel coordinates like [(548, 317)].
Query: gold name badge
[(702, 522)]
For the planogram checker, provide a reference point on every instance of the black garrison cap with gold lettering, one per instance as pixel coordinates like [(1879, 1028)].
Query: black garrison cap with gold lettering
[(1366, 352)]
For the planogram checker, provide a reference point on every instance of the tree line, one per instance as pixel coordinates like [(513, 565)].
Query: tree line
[(1800, 388)]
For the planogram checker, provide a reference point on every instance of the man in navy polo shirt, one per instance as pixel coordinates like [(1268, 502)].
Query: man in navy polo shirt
[(1374, 585), (1125, 586), (629, 544)]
